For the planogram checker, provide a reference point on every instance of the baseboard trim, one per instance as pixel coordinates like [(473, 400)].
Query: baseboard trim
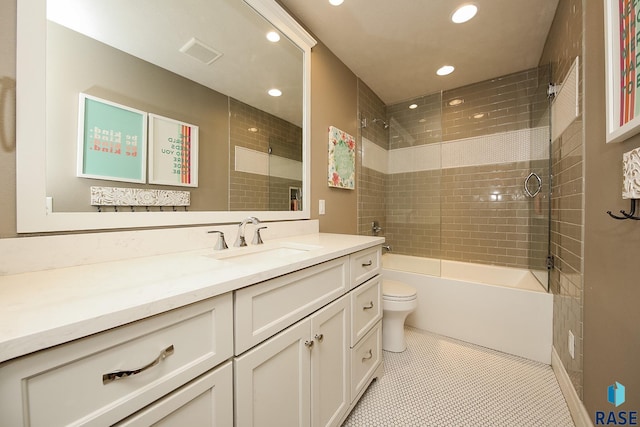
[(576, 407)]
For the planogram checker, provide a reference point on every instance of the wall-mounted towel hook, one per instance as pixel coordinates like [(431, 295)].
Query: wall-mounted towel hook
[(627, 215)]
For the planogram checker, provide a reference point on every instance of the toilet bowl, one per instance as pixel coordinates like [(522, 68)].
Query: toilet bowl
[(398, 301)]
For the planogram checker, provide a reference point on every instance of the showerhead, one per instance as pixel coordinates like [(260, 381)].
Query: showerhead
[(386, 126)]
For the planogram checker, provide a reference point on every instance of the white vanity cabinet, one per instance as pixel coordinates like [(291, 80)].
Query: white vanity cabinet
[(264, 309), (301, 376), (103, 378), (293, 343), (366, 327), (304, 374)]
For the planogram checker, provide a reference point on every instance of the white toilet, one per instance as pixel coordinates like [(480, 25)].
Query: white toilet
[(398, 301)]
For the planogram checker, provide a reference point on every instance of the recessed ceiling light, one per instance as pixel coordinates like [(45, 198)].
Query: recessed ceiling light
[(413, 106), (336, 2), (456, 101), (275, 92), (478, 115), (464, 13), (253, 130), (445, 70), (272, 36)]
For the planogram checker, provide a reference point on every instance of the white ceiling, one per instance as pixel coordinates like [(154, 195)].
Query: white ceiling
[(395, 47)]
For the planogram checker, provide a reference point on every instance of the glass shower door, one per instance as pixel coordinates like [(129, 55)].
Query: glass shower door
[(536, 186)]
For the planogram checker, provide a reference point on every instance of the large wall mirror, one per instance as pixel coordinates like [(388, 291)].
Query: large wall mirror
[(149, 66)]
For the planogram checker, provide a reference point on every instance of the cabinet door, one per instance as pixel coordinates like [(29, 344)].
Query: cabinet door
[(330, 367), (272, 380), (206, 401)]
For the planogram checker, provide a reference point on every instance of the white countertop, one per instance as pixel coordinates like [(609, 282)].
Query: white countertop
[(46, 308)]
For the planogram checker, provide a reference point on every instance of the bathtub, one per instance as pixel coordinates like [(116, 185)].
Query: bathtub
[(502, 308)]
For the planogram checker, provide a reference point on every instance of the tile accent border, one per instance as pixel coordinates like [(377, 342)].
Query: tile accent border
[(257, 162), (504, 147), (576, 407)]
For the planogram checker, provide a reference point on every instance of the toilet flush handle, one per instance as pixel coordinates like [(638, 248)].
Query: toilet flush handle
[(369, 306)]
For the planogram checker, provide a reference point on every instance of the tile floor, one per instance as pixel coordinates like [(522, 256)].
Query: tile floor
[(439, 381)]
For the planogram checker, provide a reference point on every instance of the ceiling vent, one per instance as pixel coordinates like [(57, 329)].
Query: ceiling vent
[(200, 51)]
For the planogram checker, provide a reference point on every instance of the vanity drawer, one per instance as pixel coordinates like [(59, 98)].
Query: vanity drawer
[(365, 359), (206, 401), (265, 309), (69, 385), (364, 265), (366, 308)]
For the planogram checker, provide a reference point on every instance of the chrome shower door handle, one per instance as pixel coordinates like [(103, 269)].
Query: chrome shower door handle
[(526, 185)]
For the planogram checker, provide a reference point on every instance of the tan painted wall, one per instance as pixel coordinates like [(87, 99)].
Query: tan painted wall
[(334, 102), (129, 81), (612, 248)]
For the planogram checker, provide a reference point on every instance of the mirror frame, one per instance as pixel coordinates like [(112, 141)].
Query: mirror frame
[(33, 214)]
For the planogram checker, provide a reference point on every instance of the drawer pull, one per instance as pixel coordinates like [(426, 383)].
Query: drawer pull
[(368, 307), (367, 356), (367, 264), (309, 344), (117, 375), (319, 337)]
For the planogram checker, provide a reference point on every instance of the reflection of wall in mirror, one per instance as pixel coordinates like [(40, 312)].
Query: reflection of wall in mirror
[(77, 64), (276, 163)]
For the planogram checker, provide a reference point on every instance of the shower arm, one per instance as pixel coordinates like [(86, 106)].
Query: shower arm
[(363, 123)]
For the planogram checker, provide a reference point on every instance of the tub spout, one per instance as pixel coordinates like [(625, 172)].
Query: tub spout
[(386, 248)]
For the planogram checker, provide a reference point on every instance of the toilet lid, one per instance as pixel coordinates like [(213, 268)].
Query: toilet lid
[(397, 291)]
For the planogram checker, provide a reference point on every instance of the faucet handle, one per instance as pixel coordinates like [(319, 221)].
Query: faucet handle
[(221, 243), (257, 238)]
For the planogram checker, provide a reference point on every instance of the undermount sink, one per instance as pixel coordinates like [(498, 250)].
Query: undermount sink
[(252, 254)]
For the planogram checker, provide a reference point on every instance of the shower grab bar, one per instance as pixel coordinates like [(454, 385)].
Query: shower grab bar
[(526, 185)]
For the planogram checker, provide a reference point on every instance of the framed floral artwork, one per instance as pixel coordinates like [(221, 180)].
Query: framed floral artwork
[(342, 159)]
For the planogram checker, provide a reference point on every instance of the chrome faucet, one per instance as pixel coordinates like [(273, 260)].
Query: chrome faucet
[(240, 240)]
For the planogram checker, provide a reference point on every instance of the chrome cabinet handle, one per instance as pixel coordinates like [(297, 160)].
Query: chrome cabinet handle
[(368, 356), (309, 344), (526, 185), (319, 337), (368, 307), (118, 375), (367, 264)]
